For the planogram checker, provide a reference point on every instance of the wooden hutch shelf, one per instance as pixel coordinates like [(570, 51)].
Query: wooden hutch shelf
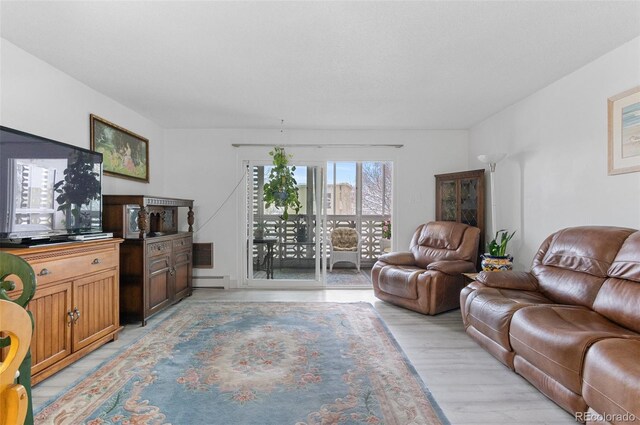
[(155, 259)]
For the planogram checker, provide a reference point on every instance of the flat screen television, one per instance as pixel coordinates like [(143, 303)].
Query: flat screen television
[(48, 189)]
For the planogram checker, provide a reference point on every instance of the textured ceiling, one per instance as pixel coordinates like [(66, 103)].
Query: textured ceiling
[(320, 65)]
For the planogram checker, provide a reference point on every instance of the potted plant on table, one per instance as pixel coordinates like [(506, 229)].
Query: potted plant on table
[(282, 188), (258, 231), (497, 258), (385, 242)]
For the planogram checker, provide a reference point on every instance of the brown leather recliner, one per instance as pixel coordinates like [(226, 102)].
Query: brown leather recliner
[(428, 278), (570, 326)]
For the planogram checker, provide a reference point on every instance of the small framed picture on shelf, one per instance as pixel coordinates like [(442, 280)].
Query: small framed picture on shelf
[(125, 154), (624, 132)]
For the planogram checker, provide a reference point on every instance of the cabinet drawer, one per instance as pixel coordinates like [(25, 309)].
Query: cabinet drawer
[(182, 244), (158, 248), (182, 258), (67, 268)]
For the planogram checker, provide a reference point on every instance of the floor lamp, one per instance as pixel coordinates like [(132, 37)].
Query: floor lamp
[(492, 160)]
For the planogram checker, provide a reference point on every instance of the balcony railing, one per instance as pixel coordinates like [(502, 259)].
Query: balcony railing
[(296, 237)]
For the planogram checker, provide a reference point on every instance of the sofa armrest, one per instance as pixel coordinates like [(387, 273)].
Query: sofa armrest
[(523, 281), (453, 267), (401, 258)]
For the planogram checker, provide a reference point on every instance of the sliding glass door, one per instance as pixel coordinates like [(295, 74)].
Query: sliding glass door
[(359, 195), (294, 252), (285, 251)]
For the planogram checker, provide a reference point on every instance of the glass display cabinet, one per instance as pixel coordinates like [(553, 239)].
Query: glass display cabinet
[(460, 198)]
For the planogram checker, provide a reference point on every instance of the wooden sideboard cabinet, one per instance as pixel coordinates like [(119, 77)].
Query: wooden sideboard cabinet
[(156, 263), (76, 305)]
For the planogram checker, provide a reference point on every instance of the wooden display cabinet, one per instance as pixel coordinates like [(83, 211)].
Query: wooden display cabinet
[(155, 259), (75, 308), (460, 198)]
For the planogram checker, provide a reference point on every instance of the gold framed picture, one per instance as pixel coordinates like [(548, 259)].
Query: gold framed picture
[(125, 154), (624, 132)]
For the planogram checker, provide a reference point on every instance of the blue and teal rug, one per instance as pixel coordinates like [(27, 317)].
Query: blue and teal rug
[(254, 363)]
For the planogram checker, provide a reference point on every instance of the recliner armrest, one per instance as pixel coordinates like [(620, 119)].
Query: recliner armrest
[(523, 281), (400, 258), (452, 267)]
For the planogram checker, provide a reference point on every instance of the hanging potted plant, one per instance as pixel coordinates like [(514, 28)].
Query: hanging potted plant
[(497, 258), (282, 188)]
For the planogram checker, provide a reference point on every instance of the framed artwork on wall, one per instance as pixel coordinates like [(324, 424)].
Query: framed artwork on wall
[(125, 153), (624, 132)]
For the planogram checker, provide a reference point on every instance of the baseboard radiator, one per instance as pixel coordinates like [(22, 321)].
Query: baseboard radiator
[(211, 282)]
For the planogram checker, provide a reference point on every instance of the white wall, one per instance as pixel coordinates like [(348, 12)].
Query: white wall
[(208, 168), (42, 100), (555, 175), (202, 165)]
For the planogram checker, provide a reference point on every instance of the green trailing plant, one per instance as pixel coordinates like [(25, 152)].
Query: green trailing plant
[(498, 246), (282, 188)]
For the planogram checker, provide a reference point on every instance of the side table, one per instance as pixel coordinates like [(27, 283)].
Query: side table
[(470, 277), (267, 261)]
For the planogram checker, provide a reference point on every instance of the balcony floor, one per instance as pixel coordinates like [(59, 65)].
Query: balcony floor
[(338, 278)]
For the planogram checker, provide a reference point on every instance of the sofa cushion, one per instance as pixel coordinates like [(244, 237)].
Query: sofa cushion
[(619, 297), (490, 310), (627, 263), (344, 239), (588, 250), (611, 381), (400, 281), (440, 235), (555, 339), (572, 264), (444, 241), (619, 301)]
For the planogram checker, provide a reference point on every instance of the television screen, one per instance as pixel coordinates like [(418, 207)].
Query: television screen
[(48, 188)]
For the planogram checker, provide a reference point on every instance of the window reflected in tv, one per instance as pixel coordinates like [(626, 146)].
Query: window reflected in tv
[(51, 188)]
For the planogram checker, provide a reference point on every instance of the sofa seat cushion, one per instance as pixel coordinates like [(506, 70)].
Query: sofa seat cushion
[(400, 281), (611, 381), (342, 248), (555, 339), (489, 310)]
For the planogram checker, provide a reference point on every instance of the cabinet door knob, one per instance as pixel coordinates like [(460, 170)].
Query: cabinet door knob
[(70, 314), (76, 312), (172, 271), (96, 261), (44, 272)]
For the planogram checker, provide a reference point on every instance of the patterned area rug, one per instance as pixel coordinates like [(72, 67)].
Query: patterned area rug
[(254, 363)]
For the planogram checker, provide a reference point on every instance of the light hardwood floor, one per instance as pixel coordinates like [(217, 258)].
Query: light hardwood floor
[(470, 385)]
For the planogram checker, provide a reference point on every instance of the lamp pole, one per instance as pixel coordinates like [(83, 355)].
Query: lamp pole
[(492, 170), (492, 160)]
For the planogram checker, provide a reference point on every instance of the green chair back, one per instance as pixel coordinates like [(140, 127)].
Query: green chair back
[(12, 265)]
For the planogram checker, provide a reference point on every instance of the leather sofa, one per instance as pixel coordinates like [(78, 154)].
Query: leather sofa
[(570, 326), (428, 278)]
